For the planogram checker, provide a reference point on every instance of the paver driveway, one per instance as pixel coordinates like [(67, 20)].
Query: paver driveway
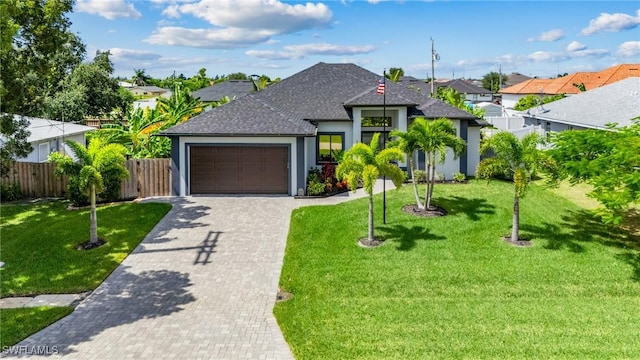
[(202, 285)]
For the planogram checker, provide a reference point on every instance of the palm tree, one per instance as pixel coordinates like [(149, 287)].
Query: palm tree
[(178, 108), (434, 138), (364, 163), (93, 161), (140, 77), (408, 144), (136, 133), (516, 159)]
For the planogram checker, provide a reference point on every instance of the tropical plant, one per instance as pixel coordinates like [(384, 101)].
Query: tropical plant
[(364, 163), (434, 137), (454, 98), (408, 144), (532, 100), (395, 74), (179, 107), (514, 158), (136, 133), (94, 161), (140, 77)]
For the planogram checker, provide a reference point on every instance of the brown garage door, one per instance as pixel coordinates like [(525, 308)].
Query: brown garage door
[(239, 170)]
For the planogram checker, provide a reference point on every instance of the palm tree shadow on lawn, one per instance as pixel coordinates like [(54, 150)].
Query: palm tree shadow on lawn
[(407, 237), (473, 208)]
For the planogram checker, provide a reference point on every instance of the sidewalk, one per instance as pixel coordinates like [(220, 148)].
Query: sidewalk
[(42, 300)]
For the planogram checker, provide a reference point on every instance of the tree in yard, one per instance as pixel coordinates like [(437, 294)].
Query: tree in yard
[(608, 160), (493, 80), (140, 77), (532, 100), (454, 98), (178, 108), (516, 159), (364, 163), (434, 137), (94, 161), (15, 145), (136, 134), (408, 144)]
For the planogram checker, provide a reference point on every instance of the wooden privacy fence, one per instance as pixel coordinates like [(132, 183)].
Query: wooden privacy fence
[(147, 177)]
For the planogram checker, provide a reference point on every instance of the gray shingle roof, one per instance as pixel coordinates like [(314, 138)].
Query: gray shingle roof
[(231, 88), (464, 87), (319, 93), (618, 102)]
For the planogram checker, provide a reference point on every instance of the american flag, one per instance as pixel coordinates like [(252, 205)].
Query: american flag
[(380, 87)]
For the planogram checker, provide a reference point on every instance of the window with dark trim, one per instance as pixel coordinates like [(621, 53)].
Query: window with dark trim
[(376, 121), (328, 147)]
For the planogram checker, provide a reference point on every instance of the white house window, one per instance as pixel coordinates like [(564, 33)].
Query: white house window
[(43, 152), (376, 121), (329, 144)]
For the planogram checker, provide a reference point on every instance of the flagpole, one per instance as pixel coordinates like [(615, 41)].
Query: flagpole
[(384, 142)]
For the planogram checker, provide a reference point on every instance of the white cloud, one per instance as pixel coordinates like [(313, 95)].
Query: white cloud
[(273, 55), (593, 53), (329, 49), (302, 51), (111, 10), (261, 15), (629, 49), (612, 22), (576, 46), (123, 55), (551, 35), (206, 38), (238, 23)]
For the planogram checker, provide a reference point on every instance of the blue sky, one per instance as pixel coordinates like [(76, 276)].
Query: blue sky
[(279, 38)]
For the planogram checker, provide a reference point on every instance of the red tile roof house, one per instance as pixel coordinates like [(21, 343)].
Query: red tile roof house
[(265, 142), (564, 84)]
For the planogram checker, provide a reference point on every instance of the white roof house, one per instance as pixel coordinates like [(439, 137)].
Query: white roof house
[(618, 102), (48, 136)]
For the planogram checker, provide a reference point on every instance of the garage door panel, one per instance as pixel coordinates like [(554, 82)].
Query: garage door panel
[(239, 169)]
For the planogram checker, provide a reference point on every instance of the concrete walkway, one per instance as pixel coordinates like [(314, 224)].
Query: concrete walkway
[(202, 285)]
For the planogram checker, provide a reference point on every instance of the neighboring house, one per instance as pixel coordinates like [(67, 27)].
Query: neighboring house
[(515, 78), (266, 142), (594, 109), (125, 84), (565, 84), (415, 84), (490, 109), (472, 93), (150, 103), (48, 136), (149, 91), (234, 89)]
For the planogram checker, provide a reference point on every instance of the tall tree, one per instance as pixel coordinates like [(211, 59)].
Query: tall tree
[(454, 98), (493, 80), (608, 160), (37, 51), (516, 159), (136, 134), (140, 77), (435, 137), (364, 164), (94, 161), (532, 100)]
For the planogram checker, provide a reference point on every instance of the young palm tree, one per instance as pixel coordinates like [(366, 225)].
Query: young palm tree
[(514, 158), (93, 161), (408, 144), (365, 163), (434, 138), (180, 107)]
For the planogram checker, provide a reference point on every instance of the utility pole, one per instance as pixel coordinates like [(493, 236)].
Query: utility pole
[(434, 57)]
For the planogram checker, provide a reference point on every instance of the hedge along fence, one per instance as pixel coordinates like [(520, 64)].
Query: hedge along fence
[(147, 177)]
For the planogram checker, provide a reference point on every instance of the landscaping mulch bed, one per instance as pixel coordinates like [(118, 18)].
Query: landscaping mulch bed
[(366, 243), (87, 245), (519, 242), (434, 211)]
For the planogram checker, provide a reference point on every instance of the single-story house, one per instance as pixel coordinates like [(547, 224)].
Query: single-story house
[(471, 92), (234, 89), (618, 103), (569, 84), (149, 91), (266, 142), (48, 136)]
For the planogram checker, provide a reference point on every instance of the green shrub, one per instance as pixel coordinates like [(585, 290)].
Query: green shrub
[(10, 192), (316, 188), (420, 175), (459, 177)]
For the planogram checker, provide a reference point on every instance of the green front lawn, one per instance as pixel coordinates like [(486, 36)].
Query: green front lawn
[(449, 287), (17, 324), (39, 245)]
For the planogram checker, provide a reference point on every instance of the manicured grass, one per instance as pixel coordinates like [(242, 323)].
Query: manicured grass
[(17, 324), (450, 288), (39, 245)]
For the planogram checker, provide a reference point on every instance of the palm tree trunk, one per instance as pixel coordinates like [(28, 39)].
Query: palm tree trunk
[(93, 226), (427, 168), (415, 185), (370, 235), (433, 183), (515, 226)]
